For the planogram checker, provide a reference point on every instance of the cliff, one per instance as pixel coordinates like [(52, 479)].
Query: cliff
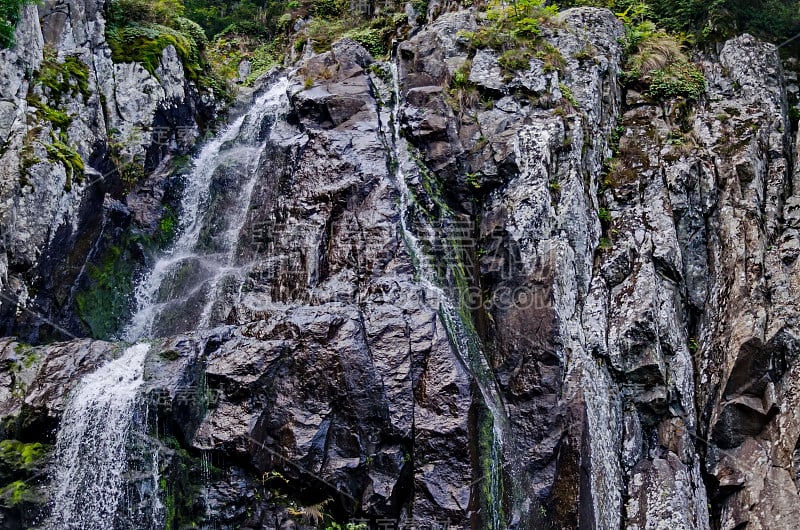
[(439, 289), (80, 134)]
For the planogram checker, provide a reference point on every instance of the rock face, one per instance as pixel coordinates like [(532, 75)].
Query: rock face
[(603, 283), (78, 130)]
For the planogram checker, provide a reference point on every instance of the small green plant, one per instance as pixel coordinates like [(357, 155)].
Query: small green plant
[(568, 95), (693, 345), (515, 59), (515, 30), (681, 79), (308, 83), (605, 244), (585, 53), (604, 215), (460, 78)]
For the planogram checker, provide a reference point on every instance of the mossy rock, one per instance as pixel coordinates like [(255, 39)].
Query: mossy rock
[(20, 456)]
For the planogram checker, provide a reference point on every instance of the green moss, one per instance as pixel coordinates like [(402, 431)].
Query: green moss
[(60, 120), (145, 44), (59, 152), (17, 493), (26, 354), (105, 305), (169, 355), (22, 456), (71, 76), (181, 487)]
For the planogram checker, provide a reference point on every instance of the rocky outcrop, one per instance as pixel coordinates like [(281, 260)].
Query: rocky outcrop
[(79, 132), (601, 281)]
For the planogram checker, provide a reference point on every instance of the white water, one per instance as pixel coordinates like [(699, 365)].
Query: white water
[(91, 452), (466, 344), (240, 143)]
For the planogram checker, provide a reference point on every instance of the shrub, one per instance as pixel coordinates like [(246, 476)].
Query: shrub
[(330, 8), (129, 12), (261, 61), (654, 52), (371, 39), (657, 64), (680, 79), (515, 59), (515, 30)]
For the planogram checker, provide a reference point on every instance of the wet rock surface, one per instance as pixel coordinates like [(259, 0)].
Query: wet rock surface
[(645, 356)]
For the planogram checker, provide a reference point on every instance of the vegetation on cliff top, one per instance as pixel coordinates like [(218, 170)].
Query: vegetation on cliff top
[(140, 30), (773, 20)]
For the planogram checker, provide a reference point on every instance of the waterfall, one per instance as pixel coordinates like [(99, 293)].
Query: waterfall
[(465, 343), (96, 433), (91, 445), (179, 292)]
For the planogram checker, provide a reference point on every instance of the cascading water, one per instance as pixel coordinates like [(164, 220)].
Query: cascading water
[(184, 281), (91, 446), (463, 338), (96, 432)]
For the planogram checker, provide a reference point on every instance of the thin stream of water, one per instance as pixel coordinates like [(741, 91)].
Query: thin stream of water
[(467, 346)]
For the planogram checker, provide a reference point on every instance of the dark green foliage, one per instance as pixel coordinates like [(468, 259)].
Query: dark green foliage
[(773, 20), (9, 17), (330, 8), (776, 20), (139, 30), (251, 17), (372, 39), (421, 8), (122, 13)]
